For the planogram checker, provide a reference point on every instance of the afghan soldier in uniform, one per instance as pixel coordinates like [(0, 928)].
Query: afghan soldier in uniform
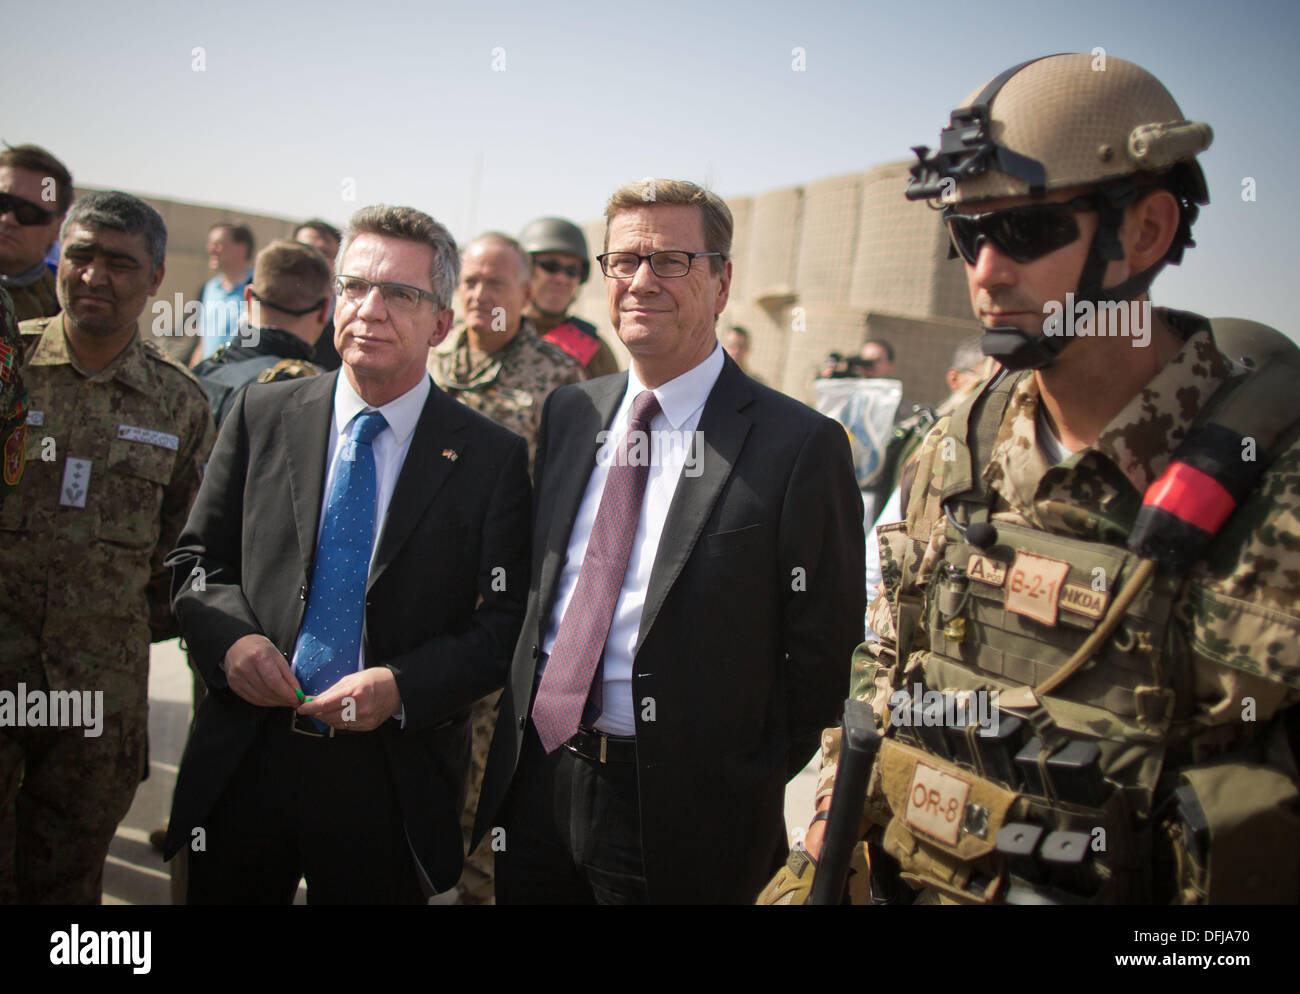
[(1103, 538), (117, 435), (497, 365), (35, 193), (560, 266)]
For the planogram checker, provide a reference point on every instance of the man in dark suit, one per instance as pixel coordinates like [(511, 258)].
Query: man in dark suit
[(360, 540), (696, 594)]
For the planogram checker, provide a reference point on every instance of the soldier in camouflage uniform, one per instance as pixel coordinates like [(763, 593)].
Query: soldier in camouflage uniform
[(495, 363), (35, 193), (561, 264), (1104, 536), (117, 437), (493, 360)]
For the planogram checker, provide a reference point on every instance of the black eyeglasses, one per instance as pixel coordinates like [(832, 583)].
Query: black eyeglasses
[(571, 270), (667, 265), (1022, 234), (25, 212), (398, 296)]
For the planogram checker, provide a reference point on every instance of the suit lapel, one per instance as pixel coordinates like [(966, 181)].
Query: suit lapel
[(572, 451), (441, 428), (306, 427), (721, 432)]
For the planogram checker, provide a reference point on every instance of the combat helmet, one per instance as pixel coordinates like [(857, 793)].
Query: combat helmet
[(1062, 122), (554, 234)]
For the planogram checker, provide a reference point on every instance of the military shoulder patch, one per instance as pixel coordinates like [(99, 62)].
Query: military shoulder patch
[(15, 454), (289, 369)]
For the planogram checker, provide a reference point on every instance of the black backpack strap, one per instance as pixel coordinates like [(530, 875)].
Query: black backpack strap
[(972, 431), (225, 380)]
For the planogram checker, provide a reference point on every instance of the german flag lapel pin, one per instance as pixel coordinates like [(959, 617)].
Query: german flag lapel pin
[(450, 454)]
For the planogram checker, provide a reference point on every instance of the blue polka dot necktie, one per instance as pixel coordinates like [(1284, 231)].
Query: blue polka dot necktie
[(580, 641), (330, 641)]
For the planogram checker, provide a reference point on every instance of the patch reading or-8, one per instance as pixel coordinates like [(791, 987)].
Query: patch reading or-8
[(936, 803), (1034, 586)]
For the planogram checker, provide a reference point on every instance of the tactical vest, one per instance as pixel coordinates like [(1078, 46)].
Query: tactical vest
[(1105, 790)]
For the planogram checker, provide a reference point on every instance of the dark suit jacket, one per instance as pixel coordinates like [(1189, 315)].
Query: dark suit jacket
[(456, 531), (753, 610)]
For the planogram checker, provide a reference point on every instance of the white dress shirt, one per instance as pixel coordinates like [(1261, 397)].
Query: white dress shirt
[(389, 446), (681, 402)]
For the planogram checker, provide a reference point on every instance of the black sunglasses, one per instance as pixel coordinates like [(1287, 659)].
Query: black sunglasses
[(25, 212), (1022, 234), (571, 270)]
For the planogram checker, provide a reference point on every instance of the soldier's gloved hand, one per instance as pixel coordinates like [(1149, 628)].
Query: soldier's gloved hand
[(793, 882)]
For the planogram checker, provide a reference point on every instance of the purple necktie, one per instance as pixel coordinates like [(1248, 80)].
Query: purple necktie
[(580, 642)]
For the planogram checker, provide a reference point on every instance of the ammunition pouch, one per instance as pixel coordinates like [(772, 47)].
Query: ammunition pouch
[(1234, 834), (973, 841), (793, 882)]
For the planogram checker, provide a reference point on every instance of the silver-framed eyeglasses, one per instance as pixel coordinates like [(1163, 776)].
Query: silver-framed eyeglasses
[(667, 265), (397, 296)]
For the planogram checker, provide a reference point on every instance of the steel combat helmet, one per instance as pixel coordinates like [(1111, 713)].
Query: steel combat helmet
[(554, 234), (1063, 122)]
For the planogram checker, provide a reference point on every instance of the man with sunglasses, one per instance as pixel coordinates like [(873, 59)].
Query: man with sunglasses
[(35, 193), (696, 592), (1098, 536), (561, 264)]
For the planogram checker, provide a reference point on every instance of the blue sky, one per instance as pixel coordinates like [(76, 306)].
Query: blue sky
[(552, 107)]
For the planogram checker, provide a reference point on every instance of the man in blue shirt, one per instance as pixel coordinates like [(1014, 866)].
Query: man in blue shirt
[(230, 254)]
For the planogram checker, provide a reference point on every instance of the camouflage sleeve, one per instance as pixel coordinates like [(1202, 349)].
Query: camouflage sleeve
[(1243, 602), (197, 435)]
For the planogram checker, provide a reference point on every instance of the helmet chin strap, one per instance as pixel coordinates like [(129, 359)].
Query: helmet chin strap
[(1016, 349)]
